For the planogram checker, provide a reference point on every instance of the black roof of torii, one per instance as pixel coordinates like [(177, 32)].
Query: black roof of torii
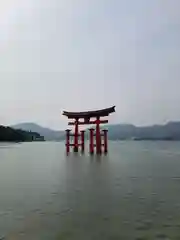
[(88, 114)]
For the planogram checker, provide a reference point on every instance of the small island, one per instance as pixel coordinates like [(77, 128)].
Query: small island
[(8, 134)]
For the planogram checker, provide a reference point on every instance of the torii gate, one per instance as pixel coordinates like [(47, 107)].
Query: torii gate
[(86, 116)]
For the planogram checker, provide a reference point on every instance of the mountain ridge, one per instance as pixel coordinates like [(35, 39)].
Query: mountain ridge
[(8, 134), (49, 134), (168, 131)]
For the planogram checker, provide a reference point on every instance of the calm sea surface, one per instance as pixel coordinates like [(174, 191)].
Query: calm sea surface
[(133, 193)]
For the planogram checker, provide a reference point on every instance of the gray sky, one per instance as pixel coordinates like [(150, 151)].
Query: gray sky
[(73, 55)]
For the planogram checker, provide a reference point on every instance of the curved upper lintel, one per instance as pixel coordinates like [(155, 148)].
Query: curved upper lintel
[(88, 114)]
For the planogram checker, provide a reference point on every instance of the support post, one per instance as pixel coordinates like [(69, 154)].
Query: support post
[(76, 136), (105, 141), (82, 140), (91, 140), (68, 140), (98, 137)]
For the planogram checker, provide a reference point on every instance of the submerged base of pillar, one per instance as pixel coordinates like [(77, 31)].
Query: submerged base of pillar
[(75, 149), (99, 153)]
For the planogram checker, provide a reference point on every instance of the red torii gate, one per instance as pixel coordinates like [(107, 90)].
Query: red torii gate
[(86, 116)]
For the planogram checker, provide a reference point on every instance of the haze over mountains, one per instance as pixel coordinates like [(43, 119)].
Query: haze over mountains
[(169, 131), (48, 133)]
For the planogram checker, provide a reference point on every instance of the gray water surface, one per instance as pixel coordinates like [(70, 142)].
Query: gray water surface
[(132, 193)]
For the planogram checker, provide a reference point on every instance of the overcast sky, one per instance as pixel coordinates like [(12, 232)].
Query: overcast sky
[(78, 55)]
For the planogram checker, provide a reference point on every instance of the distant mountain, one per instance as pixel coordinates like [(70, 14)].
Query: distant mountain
[(169, 131), (48, 133), (120, 131), (8, 134)]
